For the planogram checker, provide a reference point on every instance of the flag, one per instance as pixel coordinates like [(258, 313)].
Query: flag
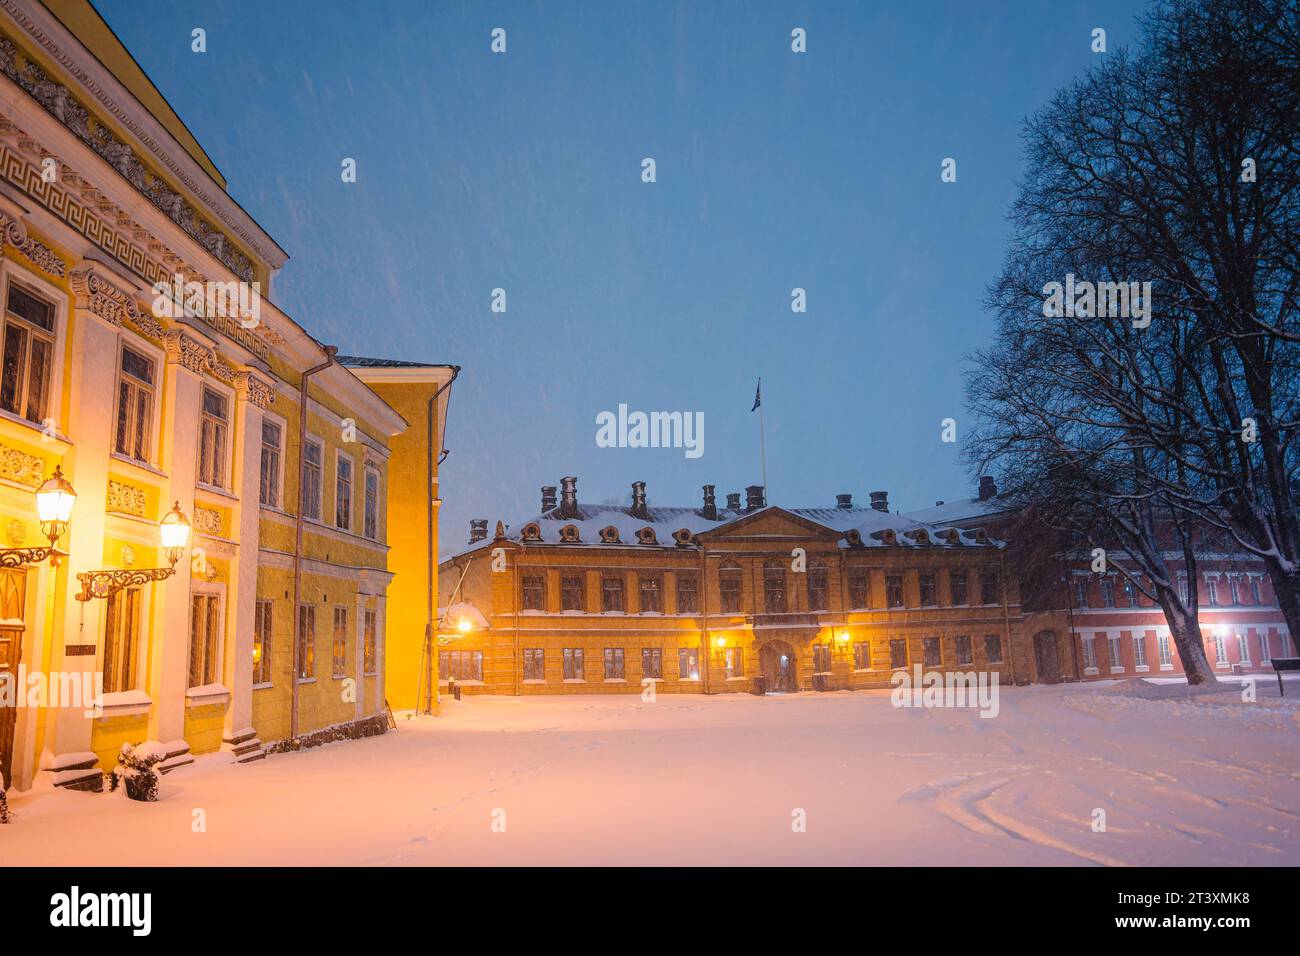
[(758, 395)]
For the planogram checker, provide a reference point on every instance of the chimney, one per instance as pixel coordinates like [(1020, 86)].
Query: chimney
[(569, 497), (880, 501), (548, 498), (844, 502), (477, 529), (988, 488), (754, 497), (638, 501), (710, 504), (733, 501)]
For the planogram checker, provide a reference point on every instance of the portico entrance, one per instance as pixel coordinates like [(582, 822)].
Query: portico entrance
[(777, 660)]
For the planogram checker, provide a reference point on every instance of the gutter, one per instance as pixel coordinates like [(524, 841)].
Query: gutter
[(432, 607), (330, 352)]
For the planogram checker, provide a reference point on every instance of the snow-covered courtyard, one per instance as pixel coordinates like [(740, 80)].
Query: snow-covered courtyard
[(1204, 779)]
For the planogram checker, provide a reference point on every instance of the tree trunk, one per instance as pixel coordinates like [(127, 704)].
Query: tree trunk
[(1287, 588), (1186, 632)]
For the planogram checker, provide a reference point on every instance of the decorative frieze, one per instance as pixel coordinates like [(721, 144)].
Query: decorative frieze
[(186, 351), (207, 521), (60, 103), (254, 390), (97, 294), (37, 253), (20, 467), (126, 499)]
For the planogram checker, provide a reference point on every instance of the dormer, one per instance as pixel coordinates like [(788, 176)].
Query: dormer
[(683, 537), (609, 535), (531, 532), (646, 536), (569, 534)]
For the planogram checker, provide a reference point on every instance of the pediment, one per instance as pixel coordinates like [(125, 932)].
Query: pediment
[(770, 524)]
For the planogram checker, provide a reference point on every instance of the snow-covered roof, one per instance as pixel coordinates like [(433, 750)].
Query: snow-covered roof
[(857, 528), (964, 512)]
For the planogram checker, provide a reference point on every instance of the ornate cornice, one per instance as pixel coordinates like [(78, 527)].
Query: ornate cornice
[(57, 100), (254, 389), (186, 351), (94, 292), (37, 253)]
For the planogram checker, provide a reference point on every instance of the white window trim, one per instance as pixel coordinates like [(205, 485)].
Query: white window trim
[(228, 465), (156, 355), (217, 589), (141, 650), (59, 299), (339, 455), (367, 469), (284, 449), (312, 439)]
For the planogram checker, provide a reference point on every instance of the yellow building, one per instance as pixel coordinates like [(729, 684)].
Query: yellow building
[(604, 599), (145, 359)]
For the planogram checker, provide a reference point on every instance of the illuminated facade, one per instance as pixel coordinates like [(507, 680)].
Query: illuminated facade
[(106, 198), (603, 599)]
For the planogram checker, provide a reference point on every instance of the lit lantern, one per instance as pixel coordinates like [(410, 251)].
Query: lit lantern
[(175, 531), (54, 501), (720, 642)]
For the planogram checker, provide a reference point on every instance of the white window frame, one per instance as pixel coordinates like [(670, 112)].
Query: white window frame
[(227, 455), (284, 450), (1090, 654), (140, 652), (209, 591), (339, 456), (1165, 652), (1115, 648), (1140, 662), (366, 472), (158, 358), (319, 502), (9, 271), (270, 640)]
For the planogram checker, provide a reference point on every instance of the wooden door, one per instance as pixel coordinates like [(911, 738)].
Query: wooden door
[(12, 591)]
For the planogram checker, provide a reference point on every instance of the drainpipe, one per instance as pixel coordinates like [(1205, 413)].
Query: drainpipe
[(432, 607), (1006, 616), (330, 351), (704, 614)]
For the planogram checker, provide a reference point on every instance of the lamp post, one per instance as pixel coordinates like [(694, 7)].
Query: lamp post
[(54, 501), (174, 529)]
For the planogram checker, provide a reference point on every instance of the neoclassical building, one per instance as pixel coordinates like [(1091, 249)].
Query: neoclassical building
[(603, 599), (270, 623)]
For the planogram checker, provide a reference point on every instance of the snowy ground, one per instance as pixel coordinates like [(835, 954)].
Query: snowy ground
[(1206, 779)]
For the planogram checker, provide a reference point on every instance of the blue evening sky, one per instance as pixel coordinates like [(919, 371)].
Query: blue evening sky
[(523, 171)]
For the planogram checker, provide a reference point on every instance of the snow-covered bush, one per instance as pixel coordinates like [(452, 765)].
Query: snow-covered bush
[(135, 768), (4, 806)]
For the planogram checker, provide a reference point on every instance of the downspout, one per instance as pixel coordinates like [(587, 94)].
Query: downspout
[(432, 609), (330, 352), (704, 606), (1006, 615), (1069, 604)]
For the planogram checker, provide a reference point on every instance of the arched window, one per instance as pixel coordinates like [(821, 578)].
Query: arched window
[(729, 587), (774, 586)]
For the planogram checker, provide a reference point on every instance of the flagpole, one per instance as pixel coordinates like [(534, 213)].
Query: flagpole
[(762, 451)]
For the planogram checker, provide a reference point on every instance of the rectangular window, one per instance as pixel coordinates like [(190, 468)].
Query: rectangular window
[(611, 593), (650, 593), (534, 664), (859, 590), (1243, 649), (897, 653), (534, 592), (821, 658), (214, 425), (993, 648), (652, 662), (1182, 588), (688, 593), (573, 589), (990, 588), (1162, 645), (1212, 590), (135, 397), (932, 654), (817, 589), (961, 645), (1254, 590), (311, 479), (268, 484), (306, 641), (735, 658), (1080, 592), (688, 663), (1090, 653), (343, 493), (262, 643), (460, 665), (573, 664), (121, 640), (1130, 593), (371, 517), (1265, 656), (929, 590), (774, 589), (1139, 650), (1116, 655), (862, 656), (1107, 592), (370, 653), (893, 590), (340, 645), (28, 354), (957, 584), (614, 663), (729, 592), (1220, 651), (205, 639)]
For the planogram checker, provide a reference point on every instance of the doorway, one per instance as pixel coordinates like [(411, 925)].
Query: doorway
[(779, 667), (13, 585), (1049, 668)]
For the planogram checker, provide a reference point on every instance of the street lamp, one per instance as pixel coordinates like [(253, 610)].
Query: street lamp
[(54, 501), (174, 529)]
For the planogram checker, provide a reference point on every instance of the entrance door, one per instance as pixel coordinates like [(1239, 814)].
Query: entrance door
[(1049, 670), (778, 663), (12, 586)]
